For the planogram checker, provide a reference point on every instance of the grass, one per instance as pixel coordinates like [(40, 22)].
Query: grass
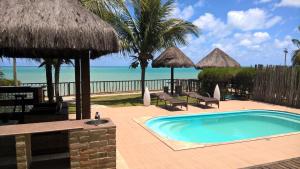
[(122, 101)]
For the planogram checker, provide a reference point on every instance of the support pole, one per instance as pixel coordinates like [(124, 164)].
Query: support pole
[(85, 88), (172, 80), (78, 88), (15, 71)]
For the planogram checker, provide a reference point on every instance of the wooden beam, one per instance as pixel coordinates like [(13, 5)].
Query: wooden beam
[(85, 88), (78, 88), (172, 80)]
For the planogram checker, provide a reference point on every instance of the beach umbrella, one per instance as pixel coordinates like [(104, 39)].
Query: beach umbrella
[(172, 58), (56, 29), (217, 93), (217, 58), (147, 98)]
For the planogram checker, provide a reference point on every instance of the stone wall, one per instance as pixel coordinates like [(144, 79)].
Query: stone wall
[(23, 151), (93, 148), (90, 146)]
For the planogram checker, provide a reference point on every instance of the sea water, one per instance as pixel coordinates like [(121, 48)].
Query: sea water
[(35, 74)]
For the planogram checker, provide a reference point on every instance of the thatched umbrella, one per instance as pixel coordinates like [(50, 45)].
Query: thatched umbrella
[(56, 29), (173, 58), (217, 58)]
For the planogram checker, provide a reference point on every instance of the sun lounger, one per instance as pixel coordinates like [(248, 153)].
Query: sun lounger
[(200, 98), (171, 100)]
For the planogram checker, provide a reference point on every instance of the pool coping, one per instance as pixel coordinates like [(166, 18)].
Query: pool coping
[(180, 145)]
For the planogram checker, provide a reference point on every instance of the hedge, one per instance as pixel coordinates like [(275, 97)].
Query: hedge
[(7, 82), (241, 79)]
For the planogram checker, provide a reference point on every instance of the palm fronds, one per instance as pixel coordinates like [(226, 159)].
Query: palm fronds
[(144, 27)]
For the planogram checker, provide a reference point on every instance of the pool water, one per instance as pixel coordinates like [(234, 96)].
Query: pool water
[(225, 126)]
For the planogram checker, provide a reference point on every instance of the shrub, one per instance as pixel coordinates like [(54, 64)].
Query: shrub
[(244, 79), (209, 77), (7, 82), (240, 78)]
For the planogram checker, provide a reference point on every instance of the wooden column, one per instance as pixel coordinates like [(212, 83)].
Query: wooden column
[(78, 88), (172, 80), (85, 87)]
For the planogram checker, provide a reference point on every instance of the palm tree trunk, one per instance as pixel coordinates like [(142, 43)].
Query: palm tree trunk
[(56, 80), (49, 82), (172, 80), (15, 71), (143, 72)]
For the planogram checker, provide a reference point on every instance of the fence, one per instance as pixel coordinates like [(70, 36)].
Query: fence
[(102, 87), (277, 85)]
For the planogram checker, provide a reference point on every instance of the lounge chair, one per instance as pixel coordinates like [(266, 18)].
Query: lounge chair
[(200, 98), (172, 101)]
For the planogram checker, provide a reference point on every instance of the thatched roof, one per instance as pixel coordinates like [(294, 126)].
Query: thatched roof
[(53, 28), (172, 57), (217, 58)]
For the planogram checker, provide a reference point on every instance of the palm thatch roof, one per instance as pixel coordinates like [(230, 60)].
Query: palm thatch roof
[(53, 28), (217, 58), (172, 57)]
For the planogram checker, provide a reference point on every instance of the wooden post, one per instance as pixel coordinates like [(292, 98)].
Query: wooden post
[(172, 80), (69, 89), (78, 88), (15, 71), (85, 88)]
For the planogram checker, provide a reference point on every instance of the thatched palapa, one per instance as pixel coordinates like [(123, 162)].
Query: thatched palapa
[(217, 58), (53, 28), (172, 57), (57, 29)]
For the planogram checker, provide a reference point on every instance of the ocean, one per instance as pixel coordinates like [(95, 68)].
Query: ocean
[(34, 74)]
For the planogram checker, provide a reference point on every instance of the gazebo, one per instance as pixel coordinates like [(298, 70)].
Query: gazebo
[(57, 29), (217, 58), (172, 58)]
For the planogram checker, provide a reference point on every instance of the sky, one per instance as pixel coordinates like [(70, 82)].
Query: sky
[(252, 32)]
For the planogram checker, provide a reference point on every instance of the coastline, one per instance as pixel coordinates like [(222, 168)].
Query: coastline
[(34, 74)]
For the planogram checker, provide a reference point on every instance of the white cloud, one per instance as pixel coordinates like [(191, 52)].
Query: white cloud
[(247, 48), (262, 1), (246, 42), (243, 36), (252, 19), (226, 47), (214, 26), (251, 40), (186, 13), (283, 43), (260, 37), (273, 21), (288, 3)]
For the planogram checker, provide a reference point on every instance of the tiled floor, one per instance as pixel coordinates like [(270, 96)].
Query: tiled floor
[(284, 164), (142, 150)]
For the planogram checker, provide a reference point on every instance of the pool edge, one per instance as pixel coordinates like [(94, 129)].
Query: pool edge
[(180, 145)]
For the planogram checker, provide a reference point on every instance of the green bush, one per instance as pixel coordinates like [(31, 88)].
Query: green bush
[(240, 79), (209, 77), (244, 80), (7, 82)]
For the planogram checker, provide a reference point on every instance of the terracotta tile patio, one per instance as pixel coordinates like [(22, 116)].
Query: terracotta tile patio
[(139, 149)]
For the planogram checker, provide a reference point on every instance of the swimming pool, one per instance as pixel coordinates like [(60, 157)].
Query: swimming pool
[(223, 127)]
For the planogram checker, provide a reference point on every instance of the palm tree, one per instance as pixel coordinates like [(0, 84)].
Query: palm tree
[(147, 30), (48, 67), (1, 74), (296, 53), (57, 65), (103, 8)]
